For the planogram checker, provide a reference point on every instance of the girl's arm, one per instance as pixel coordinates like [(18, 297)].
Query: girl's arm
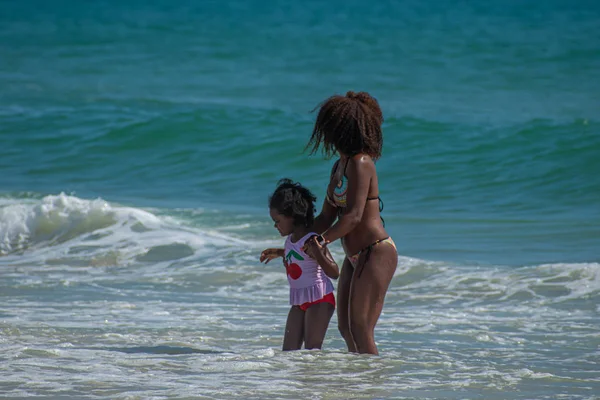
[(322, 256), (269, 254), (359, 172)]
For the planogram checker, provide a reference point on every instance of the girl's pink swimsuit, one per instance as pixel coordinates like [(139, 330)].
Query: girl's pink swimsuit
[(308, 282)]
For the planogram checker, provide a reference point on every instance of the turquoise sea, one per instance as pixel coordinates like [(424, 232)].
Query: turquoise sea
[(139, 141)]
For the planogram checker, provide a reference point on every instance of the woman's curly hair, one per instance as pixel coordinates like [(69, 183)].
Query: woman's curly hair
[(350, 124), (294, 200)]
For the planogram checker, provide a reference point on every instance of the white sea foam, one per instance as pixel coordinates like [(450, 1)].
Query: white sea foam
[(64, 228), (191, 300)]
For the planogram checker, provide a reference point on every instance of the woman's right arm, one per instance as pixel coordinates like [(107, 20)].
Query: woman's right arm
[(326, 218), (328, 214)]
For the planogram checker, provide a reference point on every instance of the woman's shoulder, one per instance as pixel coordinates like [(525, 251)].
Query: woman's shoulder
[(363, 161)]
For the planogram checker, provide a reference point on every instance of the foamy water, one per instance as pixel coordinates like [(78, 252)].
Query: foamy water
[(105, 301)]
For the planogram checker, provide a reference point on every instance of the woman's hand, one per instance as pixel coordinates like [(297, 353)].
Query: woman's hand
[(312, 246), (319, 252), (269, 254)]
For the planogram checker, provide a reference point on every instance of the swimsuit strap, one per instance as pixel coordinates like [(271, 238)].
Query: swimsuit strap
[(368, 253), (335, 165), (327, 196), (346, 166), (344, 171)]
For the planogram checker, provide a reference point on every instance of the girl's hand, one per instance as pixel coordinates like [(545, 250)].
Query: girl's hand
[(269, 254)]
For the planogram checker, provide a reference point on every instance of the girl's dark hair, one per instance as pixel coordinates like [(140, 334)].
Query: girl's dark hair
[(350, 124), (294, 200)]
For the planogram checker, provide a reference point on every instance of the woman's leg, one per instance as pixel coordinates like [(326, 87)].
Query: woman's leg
[(316, 321), (294, 330), (367, 293), (343, 294)]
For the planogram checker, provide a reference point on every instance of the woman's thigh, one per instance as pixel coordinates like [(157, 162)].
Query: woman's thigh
[(370, 283), (343, 293)]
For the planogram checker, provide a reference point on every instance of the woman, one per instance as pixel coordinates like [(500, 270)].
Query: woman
[(351, 127)]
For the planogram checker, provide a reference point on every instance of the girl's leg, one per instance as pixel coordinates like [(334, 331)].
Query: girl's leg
[(294, 330), (343, 294), (316, 321), (367, 294)]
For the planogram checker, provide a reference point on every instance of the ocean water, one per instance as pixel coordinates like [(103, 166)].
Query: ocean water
[(139, 142)]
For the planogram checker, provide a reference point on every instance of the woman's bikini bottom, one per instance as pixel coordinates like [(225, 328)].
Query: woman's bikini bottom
[(355, 258)]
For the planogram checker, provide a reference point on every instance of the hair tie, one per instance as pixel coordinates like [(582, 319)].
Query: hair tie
[(363, 97)]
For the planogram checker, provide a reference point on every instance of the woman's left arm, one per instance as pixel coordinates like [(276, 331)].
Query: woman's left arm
[(359, 171)]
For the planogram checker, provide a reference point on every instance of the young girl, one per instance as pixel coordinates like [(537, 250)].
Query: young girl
[(292, 208)]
